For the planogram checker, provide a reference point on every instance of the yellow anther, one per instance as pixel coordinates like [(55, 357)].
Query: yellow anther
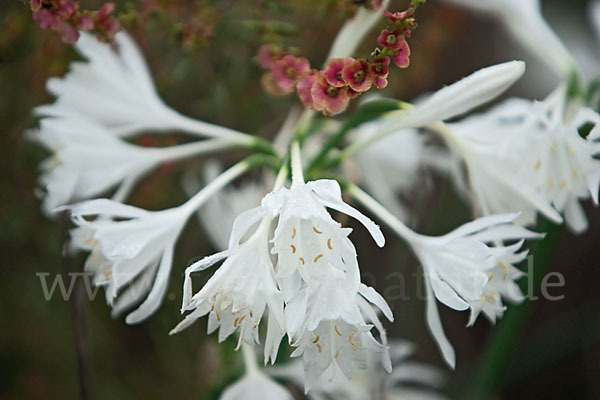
[(329, 244), (302, 260), (563, 184), (294, 233), (293, 249), (337, 330), (218, 316), (319, 347), (337, 353), (490, 276), (504, 269), (550, 182), (316, 230), (316, 339), (317, 258), (351, 340)]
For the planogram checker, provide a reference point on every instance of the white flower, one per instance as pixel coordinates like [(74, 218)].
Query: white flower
[(408, 380), (127, 254), (88, 160), (255, 385), (389, 166), (114, 89), (460, 267), (236, 296), (524, 20), (318, 275), (132, 249), (529, 157)]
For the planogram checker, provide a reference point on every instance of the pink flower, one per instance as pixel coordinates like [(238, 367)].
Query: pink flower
[(380, 69), (106, 25), (69, 34), (46, 19), (304, 87), (268, 54), (85, 23), (357, 75), (288, 70), (330, 99), (333, 71), (397, 16), (402, 57), (391, 40), (271, 86)]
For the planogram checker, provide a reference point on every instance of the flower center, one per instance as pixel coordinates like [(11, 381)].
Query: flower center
[(332, 91), (359, 75), (290, 73), (391, 39)]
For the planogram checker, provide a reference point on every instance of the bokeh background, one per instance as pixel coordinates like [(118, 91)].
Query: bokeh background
[(201, 55)]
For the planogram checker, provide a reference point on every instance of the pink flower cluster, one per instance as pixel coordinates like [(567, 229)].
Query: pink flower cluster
[(63, 16), (330, 90)]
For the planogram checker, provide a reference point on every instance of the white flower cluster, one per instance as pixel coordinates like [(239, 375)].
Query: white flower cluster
[(288, 258)]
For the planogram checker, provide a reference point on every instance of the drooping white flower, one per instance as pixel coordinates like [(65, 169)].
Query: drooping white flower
[(328, 310), (460, 267), (126, 254), (524, 20), (115, 90), (88, 160), (409, 380), (132, 249), (529, 157), (236, 296)]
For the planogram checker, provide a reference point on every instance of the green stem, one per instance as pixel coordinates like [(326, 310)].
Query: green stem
[(500, 349)]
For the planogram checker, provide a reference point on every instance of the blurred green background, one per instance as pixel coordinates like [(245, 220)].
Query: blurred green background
[(200, 53)]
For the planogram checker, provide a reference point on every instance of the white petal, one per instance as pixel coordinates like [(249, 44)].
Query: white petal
[(575, 217), (445, 294), (371, 295), (106, 207), (351, 35), (330, 195), (435, 327), (243, 223), (196, 267), (157, 294), (466, 94)]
